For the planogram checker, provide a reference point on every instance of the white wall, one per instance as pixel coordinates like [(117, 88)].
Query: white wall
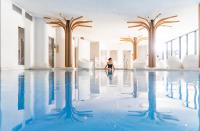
[(11, 20), (60, 41), (29, 42), (0, 30), (36, 38), (84, 49), (41, 44)]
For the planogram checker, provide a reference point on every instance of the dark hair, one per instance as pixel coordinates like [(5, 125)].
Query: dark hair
[(110, 58)]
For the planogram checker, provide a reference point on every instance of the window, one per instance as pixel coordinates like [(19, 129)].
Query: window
[(191, 44)]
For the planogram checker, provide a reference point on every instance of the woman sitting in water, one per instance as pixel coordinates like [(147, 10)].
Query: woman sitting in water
[(109, 66)]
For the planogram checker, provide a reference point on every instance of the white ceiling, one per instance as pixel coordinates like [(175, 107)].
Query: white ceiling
[(109, 16)]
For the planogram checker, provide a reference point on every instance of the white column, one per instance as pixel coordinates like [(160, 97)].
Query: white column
[(29, 43), (41, 89), (60, 45), (199, 30), (40, 44), (0, 29)]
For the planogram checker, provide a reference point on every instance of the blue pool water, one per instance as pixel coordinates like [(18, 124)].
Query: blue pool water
[(96, 101)]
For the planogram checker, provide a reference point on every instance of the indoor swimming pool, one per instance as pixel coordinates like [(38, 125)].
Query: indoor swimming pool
[(86, 100)]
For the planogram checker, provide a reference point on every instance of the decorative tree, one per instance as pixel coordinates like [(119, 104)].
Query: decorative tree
[(68, 26), (134, 41), (151, 25)]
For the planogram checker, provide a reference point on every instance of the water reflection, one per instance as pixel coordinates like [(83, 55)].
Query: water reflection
[(110, 75), (69, 111), (199, 101), (134, 85), (183, 87), (51, 88), (92, 98), (94, 82), (0, 105), (152, 112), (21, 92)]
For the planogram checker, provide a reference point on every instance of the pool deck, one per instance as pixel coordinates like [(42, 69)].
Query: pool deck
[(134, 69)]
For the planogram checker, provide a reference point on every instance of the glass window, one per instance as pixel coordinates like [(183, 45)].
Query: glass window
[(191, 43), (175, 48), (183, 47)]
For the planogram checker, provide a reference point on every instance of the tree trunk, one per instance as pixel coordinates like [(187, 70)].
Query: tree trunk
[(135, 48), (68, 46), (152, 53)]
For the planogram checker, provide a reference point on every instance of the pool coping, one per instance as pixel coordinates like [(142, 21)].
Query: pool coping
[(130, 69)]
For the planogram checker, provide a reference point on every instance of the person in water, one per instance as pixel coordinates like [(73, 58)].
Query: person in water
[(109, 66)]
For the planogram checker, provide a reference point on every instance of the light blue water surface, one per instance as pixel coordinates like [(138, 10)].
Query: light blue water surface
[(96, 101)]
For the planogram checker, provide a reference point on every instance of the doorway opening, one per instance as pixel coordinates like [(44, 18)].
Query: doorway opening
[(51, 52), (21, 39)]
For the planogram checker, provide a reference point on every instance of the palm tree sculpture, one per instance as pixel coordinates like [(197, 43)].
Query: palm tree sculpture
[(68, 26), (134, 41), (69, 111), (151, 25), (152, 113)]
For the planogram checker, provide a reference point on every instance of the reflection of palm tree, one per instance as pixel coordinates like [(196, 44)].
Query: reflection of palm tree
[(171, 95), (69, 111), (187, 92), (152, 113), (135, 89)]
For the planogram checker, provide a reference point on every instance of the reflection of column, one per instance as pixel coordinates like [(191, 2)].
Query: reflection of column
[(94, 83), (135, 86), (60, 88), (180, 93), (76, 86), (28, 97), (187, 96), (167, 84), (199, 97), (195, 96), (152, 95), (40, 93), (0, 103), (171, 90), (84, 85)]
